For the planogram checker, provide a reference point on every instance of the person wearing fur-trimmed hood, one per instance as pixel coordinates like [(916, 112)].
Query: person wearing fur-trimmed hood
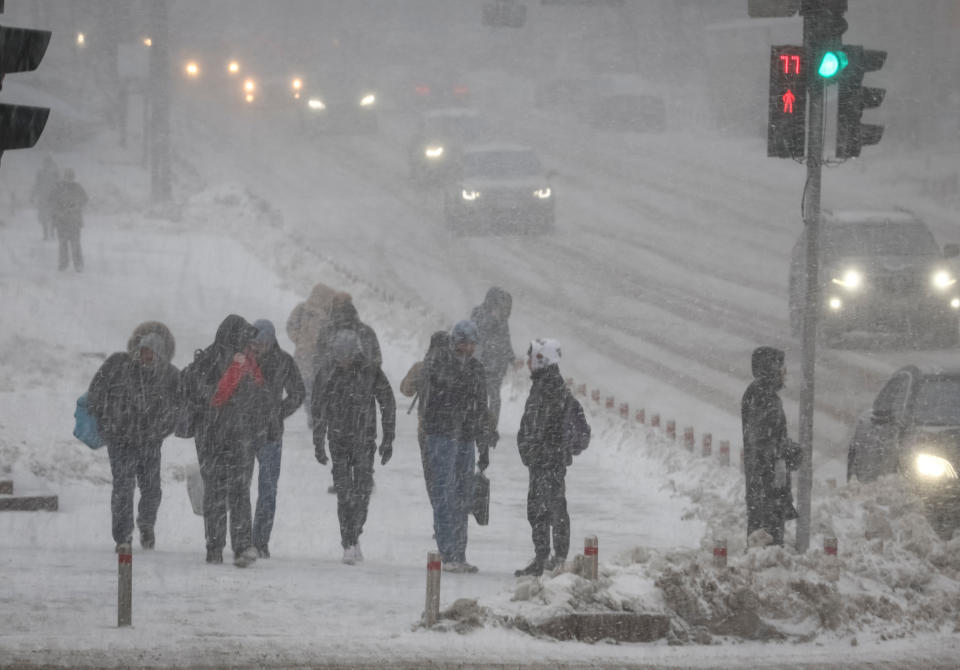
[(133, 397)]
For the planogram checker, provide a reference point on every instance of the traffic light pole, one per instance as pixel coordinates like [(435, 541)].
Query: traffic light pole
[(811, 220)]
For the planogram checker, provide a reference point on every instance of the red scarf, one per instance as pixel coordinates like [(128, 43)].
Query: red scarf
[(233, 376)]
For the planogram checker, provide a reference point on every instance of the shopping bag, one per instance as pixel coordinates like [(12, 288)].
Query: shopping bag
[(195, 488), (85, 425), (481, 499)]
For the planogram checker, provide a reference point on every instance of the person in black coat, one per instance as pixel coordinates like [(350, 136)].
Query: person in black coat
[(768, 453), (457, 430), (540, 443), (494, 349), (345, 412), (235, 410), (67, 202), (133, 397), (286, 393)]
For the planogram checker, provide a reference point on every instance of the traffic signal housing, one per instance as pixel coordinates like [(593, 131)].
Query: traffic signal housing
[(787, 120), (21, 50), (853, 98)]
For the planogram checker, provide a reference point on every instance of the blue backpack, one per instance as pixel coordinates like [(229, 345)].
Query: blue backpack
[(85, 426)]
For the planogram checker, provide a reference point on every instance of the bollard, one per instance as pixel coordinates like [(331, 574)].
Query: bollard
[(434, 566), (610, 402), (591, 550), (672, 430), (595, 395), (582, 390), (720, 553), (707, 445), (688, 439), (624, 411), (831, 483), (641, 416), (124, 585), (655, 421), (830, 546), (569, 381), (725, 453)]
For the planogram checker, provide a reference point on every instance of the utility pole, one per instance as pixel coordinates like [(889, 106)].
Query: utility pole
[(158, 100)]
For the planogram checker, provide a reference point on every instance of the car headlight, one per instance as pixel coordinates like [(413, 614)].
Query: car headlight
[(942, 279), (929, 466), (851, 280), (249, 85), (316, 103), (543, 193), (468, 194), (836, 304), (433, 151), (368, 100)]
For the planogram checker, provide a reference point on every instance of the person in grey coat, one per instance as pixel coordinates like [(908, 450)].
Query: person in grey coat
[(42, 193), (494, 349)]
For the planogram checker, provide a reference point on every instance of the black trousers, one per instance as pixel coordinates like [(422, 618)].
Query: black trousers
[(134, 463), (766, 509), (227, 470), (547, 511), (353, 479), (69, 237)]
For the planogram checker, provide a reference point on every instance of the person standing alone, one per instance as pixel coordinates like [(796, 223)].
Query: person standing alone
[(66, 209)]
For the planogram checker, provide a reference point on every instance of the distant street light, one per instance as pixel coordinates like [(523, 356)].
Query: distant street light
[(192, 69)]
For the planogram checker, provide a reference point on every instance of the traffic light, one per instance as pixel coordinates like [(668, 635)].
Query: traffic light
[(21, 50), (787, 118), (853, 97)]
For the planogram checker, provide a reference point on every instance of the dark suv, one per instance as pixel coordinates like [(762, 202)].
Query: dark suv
[(913, 428), (879, 272)]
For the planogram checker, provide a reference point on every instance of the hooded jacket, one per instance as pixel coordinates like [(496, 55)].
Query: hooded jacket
[(133, 401), (343, 316), (540, 438), (307, 320), (495, 351), (765, 431), (346, 409), (282, 377), (454, 399)]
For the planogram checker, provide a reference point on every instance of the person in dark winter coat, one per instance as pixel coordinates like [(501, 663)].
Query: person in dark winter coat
[(768, 454), (42, 194), (286, 393), (67, 202), (541, 447), (456, 426), (494, 349), (235, 412), (345, 412), (133, 397)]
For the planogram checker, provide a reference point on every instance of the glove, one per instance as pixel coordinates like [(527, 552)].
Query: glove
[(321, 454), (483, 462), (386, 452)]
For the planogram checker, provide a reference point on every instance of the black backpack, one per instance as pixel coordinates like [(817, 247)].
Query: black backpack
[(575, 431), (191, 397)]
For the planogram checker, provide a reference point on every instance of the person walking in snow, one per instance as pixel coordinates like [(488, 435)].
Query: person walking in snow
[(304, 325), (456, 426), (285, 393), (67, 202), (768, 453), (494, 349), (544, 450), (344, 411), (42, 194), (228, 387), (133, 397)]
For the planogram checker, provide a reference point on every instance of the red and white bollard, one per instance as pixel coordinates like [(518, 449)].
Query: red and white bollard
[(672, 430), (707, 449), (434, 566), (688, 439), (582, 390), (591, 550), (611, 401), (720, 553), (124, 585), (725, 453), (624, 411), (830, 546), (569, 381), (641, 416), (655, 421), (595, 395)]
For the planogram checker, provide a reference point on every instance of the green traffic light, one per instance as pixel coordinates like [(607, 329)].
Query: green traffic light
[(831, 64)]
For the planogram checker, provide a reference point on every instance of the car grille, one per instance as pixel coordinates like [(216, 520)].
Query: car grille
[(900, 283)]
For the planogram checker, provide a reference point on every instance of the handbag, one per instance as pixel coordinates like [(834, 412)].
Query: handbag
[(195, 488), (481, 499), (85, 425)]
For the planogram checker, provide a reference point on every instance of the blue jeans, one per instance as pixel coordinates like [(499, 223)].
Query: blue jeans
[(451, 493), (269, 457)]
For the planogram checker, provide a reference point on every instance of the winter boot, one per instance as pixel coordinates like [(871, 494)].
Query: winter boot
[(357, 554), (535, 569), (263, 551), (245, 558), (554, 562), (215, 556), (147, 538), (349, 555)]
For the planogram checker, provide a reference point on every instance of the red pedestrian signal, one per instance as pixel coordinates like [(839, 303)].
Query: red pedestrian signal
[(786, 128)]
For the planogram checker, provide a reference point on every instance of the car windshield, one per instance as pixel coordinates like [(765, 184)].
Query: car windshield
[(464, 128), (501, 164), (879, 239), (937, 402)]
